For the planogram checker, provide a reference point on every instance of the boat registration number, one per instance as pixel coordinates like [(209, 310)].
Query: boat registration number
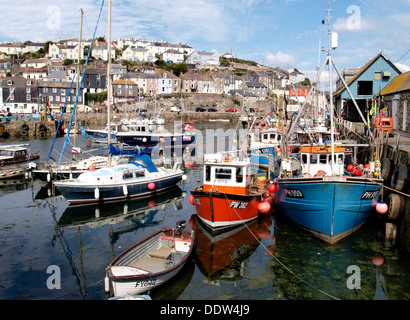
[(145, 283), (238, 205), (293, 193), (370, 194)]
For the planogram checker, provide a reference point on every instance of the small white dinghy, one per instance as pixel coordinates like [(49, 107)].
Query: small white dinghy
[(150, 262)]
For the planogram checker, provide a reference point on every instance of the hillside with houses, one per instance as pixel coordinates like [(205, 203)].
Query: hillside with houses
[(33, 74)]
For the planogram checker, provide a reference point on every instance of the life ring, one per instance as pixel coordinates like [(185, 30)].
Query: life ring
[(263, 126), (399, 177)]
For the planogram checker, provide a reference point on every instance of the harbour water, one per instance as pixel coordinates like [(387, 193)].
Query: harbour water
[(51, 251)]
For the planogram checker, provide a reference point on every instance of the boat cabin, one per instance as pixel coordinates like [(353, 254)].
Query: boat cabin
[(114, 174), (13, 153), (226, 176), (315, 159), (270, 136)]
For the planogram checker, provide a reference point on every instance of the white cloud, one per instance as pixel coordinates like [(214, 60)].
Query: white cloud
[(403, 67), (280, 59)]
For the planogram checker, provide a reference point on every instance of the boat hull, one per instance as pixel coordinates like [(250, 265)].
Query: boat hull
[(99, 136), (225, 210), (152, 140), (329, 208), (77, 193), (135, 271)]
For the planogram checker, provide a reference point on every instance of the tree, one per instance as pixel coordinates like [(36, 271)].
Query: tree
[(179, 68)]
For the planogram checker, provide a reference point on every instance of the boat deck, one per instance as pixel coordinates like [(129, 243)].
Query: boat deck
[(154, 261)]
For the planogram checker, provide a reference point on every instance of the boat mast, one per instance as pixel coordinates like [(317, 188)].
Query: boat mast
[(109, 94), (330, 88), (78, 79)]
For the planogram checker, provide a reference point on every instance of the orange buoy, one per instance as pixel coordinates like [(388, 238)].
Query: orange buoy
[(151, 203), (91, 168), (191, 199), (350, 168)]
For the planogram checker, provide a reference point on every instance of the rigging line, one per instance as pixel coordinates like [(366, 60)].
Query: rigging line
[(61, 118), (81, 82), (403, 55), (280, 262)]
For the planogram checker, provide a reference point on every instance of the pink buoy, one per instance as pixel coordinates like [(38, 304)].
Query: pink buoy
[(381, 207), (151, 203), (91, 168), (378, 259), (191, 199), (264, 207), (151, 185), (269, 200)]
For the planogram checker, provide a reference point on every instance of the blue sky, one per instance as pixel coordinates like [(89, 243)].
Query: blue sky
[(284, 33)]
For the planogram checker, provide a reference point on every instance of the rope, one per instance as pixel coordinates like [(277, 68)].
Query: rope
[(386, 187), (81, 82), (281, 263)]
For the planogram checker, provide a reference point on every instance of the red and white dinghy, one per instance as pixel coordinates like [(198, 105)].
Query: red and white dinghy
[(228, 196), (150, 262)]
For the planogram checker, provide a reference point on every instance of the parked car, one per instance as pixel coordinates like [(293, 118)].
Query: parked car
[(231, 110), (175, 109), (140, 110), (199, 109), (212, 110)]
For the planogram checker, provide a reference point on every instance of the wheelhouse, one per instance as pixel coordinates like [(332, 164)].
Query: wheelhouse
[(314, 160)]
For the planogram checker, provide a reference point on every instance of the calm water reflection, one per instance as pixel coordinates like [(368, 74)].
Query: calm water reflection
[(267, 259)]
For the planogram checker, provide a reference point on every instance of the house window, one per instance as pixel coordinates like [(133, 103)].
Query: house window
[(377, 76), (28, 97), (11, 97), (54, 90), (365, 88), (28, 90)]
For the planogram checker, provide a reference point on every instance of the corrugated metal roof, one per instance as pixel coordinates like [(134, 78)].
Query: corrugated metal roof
[(399, 84)]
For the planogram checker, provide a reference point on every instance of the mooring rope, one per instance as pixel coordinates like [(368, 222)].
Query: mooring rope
[(281, 263)]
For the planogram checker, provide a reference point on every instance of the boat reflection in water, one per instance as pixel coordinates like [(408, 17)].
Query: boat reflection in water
[(222, 256), (140, 211)]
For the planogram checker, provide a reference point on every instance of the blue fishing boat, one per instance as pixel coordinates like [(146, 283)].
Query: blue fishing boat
[(331, 206), (315, 192)]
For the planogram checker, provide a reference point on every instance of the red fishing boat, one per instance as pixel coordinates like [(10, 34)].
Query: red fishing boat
[(230, 193)]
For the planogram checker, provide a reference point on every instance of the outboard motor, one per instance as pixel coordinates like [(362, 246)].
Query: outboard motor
[(180, 225)]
